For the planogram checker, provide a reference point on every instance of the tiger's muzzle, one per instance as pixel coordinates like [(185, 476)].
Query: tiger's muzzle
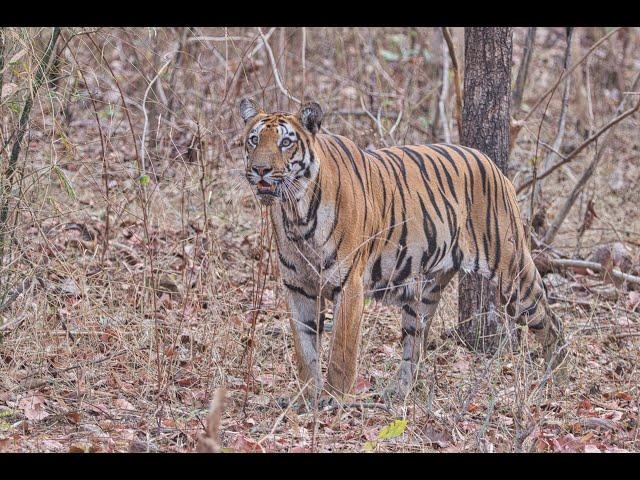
[(266, 182)]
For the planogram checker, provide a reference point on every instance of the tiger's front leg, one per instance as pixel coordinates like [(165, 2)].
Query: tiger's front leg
[(307, 323), (343, 355)]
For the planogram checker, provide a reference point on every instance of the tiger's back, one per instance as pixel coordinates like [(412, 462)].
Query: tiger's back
[(420, 210)]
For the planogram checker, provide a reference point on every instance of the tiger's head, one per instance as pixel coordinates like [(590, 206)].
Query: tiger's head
[(278, 153)]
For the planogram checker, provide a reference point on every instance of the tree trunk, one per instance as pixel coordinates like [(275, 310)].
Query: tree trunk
[(485, 126)]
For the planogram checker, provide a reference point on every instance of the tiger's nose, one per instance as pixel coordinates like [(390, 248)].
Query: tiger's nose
[(262, 170)]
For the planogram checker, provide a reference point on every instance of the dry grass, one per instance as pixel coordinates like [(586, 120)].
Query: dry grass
[(126, 327)]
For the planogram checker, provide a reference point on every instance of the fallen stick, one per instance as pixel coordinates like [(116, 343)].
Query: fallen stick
[(596, 267), (625, 335), (357, 405)]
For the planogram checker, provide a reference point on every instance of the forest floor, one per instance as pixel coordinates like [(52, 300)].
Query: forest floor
[(121, 348)]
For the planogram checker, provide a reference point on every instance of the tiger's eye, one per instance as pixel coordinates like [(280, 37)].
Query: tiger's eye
[(253, 140)]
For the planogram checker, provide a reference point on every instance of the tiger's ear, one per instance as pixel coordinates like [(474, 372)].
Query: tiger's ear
[(249, 109), (311, 117)]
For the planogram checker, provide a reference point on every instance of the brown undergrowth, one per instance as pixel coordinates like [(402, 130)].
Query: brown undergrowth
[(136, 280)]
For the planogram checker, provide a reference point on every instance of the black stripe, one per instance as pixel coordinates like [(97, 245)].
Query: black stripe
[(286, 263), (411, 312), (442, 150), (404, 273), (299, 290)]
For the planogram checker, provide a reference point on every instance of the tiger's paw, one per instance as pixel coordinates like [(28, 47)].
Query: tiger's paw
[(398, 390), (557, 360), (305, 405), (401, 385), (328, 403)]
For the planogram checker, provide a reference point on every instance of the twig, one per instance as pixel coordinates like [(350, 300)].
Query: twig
[(360, 405), (596, 267), (172, 80), (230, 38), (565, 102), (2, 46), (395, 125), (376, 121), (586, 175), (456, 78), (443, 96), (625, 335), (568, 72), (105, 173), (259, 46), (582, 146), (74, 367), (557, 143), (523, 71), (359, 113), (303, 57), (146, 117), (41, 73), (274, 68), (122, 97)]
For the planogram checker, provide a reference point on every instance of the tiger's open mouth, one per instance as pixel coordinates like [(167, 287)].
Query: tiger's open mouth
[(265, 188)]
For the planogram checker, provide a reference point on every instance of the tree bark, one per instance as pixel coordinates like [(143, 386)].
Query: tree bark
[(485, 126)]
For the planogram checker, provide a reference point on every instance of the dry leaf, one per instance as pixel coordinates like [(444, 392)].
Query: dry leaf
[(244, 444), (17, 56), (300, 449), (362, 385), (436, 438), (33, 407), (123, 404), (73, 417), (8, 89), (634, 300)]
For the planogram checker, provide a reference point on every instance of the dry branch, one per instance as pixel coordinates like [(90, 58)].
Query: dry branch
[(443, 97), (568, 72), (564, 263), (143, 140), (582, 146), (456, 78), (41, 74), (523, 71), (274, 67), (209, 442), (550, 159), (557, 143), (2, 45), (586, 175)]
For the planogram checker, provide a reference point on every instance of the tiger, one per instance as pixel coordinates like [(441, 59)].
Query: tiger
[(394, 224)]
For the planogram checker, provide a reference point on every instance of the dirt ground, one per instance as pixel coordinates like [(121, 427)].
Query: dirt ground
[(138, 274)]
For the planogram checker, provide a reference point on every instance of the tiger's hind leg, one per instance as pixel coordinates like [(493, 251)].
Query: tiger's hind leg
[(528, 301), (416, 321)]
